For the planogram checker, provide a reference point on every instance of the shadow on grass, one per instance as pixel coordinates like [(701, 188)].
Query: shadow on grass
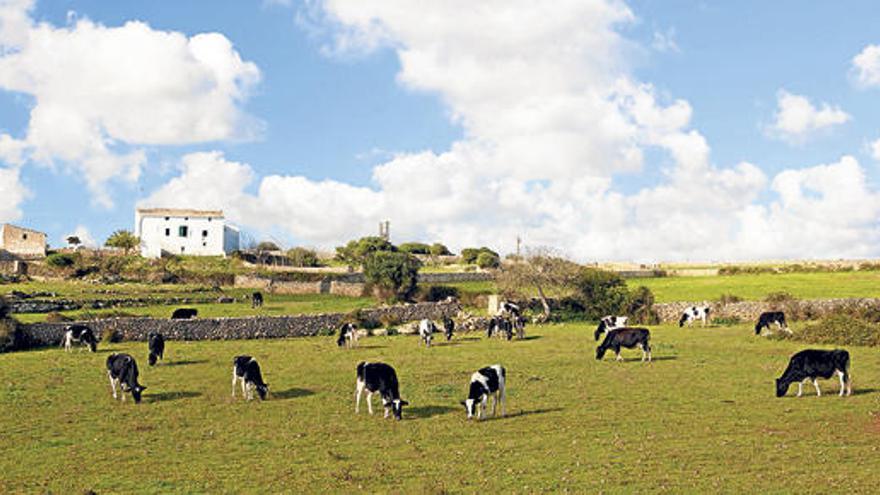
[(530, 337), (864, 391), (371, 347), (291, 393), (166, 396), (467, 339), (445, 343), (521, 413), (183, 362), (638, 359), (423, 412)]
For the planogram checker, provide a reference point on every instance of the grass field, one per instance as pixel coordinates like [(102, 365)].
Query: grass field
[(701, 418), (757, 286)]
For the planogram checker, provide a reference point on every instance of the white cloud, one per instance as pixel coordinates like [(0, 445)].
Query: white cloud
[(552, 119), (796, 118), (12, 194), (664, 41), (866, 66), (102, 93), (874, 149), (85, 237)]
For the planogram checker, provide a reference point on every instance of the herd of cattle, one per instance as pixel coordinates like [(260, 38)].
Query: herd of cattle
[(381, 378)]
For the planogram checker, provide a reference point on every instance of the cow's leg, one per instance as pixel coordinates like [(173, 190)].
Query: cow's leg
[(617, 351), (358, 390), (842, 384), (800, 388), (112, 384), (494, 403), (244, 390), (233, 381), (816, 384), (370, 401), (503, 402)]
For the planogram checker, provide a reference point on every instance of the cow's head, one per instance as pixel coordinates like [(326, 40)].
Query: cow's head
[(781, 387), (136, 393), (396, 406)]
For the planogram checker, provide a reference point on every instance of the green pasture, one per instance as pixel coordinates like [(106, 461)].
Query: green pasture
[(701, 418)]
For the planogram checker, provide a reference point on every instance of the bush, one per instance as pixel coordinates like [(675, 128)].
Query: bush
[(415, 248), (779, 297), (268, 246), (488, 260), (601, 292), (836, 329), (61, 260), (729, 299), (389, 321), (392, 274), (356, 252), (640, 307), (469, 255), (301, 256), (438, 249), (727, 320)]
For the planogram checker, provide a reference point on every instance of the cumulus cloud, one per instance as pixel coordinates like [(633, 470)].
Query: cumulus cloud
[(874, 149), (797, 118), (85, 237), (866, 66), (552, 120), (103, 93), (12, 194)]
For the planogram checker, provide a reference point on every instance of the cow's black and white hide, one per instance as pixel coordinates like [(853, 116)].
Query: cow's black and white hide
[(348, 335), (694, 313), (812, 364), (501, 326), (246, 370), (123, 371), (184, 313), (156, 346), (609, 323), (426, 331), (508, 308), (79, 334), (626, 337), (257, 300), (519, 325), (487, 381), (770, 317), (448, 327), (382, 379)]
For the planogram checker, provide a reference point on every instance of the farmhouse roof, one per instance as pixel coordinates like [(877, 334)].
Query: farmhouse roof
[(22, 228), (179, 212)]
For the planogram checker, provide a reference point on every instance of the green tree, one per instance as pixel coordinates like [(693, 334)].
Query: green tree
[(268, 246), (541, 271), (438, 249), (601, 292), (488, 260), (74, 241), (415, 248), (355, 252), (393, 274), (469, 255), (301, 256), (123, 239)]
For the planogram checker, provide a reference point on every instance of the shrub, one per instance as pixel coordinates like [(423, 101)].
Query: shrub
[(640, 306), (727, 320), (356, 252), (601, 292), (268, 246), (392, 274), (389, 320), (487, 260), (469, 255), (438, 249), (836, 329), (327, 332), (415, 248), (301, 256), (779, 297), (61, 260), (729, 299)]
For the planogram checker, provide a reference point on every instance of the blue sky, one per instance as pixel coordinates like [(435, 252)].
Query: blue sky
[(458, 125)]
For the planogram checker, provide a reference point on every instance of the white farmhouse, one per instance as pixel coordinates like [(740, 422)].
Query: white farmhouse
[(186, 232)]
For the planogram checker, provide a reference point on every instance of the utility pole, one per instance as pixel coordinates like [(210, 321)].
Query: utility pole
[(518, 244), (385, 230)]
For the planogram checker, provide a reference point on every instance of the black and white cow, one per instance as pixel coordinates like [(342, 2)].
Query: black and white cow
[(694, 313), (257, 300), (123, 371), (157, 347), (79, 334), (382, 379), (812, 364), (426, 331), (626, 337), (500, 325), (247, 370), (770, 317), (519, 324), (509, 308), (448, 327), (348, 335), (609, 323), (184, 313), (487, 381)]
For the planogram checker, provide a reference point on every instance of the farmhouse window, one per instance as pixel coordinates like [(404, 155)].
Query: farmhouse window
[(183, 231), (24, 236), (167, 232), (204, 233)]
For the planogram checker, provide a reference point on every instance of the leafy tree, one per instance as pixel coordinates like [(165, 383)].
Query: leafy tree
[(469, 255), (640, 306), (540, 271), (123, 239), (355, 252), (60, 260), (415, 248), (74, 241), (268, 246), (601, 292), (301, 256), (438, 249), (488, 260), (394, 274)]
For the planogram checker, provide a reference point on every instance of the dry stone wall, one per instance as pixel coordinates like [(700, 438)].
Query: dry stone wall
[(751, 310), (350, 284), (47, 334)]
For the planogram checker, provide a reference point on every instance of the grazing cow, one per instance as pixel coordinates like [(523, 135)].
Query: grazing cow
[(157, 347), (256, 300), (247, 370), (485, 382), (626, 337), (519, 324), (348, 335), (812, 364), (381, 378), (770, 317), (500, 325), (448, 327), (694, 313), (426, 331), (509, 308), (184, 313), (609, 323), (123, 371), (79, 334)]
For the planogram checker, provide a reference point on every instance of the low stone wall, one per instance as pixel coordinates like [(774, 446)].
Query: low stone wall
[(48, 334), (751, 310), (52, 305), (348, 284), (453, 277)]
